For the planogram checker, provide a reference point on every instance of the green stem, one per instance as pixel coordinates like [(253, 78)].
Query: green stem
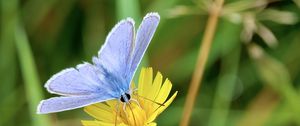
[(225, 89), (128, 8), (201, 61), (28, 68)]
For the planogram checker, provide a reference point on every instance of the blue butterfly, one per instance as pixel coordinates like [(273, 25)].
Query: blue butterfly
[(110, 75)]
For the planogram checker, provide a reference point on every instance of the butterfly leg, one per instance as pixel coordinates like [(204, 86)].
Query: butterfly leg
[(117, 112), (124, 109), (133, 91), (136, 101), (132, 114)]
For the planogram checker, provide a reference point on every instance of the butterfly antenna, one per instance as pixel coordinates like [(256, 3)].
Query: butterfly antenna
[(157, 108), (132, 114), (160, 104)]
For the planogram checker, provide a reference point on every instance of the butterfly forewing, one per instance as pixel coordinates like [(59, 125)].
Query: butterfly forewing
[(114, 55), (143, 38), (82, 80)]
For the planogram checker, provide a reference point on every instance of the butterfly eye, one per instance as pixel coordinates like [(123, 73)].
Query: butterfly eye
[(128, 96)]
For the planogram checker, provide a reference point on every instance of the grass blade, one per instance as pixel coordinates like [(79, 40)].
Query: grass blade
[(128, 8), (225, 89), (30, 76)]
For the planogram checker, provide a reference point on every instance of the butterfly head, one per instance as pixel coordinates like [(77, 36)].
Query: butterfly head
[(125, 97)]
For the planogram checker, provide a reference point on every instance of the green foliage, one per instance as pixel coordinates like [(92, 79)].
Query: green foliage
[(254, 56)]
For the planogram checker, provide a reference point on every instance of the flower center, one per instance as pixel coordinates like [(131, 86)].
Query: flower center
[(133, 114)]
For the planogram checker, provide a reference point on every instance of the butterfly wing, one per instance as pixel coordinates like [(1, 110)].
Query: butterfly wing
[(80, 86), (58, 104), (82, 80), (120, 56), (143, 38), (114, 56)]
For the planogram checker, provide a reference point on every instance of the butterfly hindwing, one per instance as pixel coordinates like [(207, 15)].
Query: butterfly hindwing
[(74, 81), (58, 104)]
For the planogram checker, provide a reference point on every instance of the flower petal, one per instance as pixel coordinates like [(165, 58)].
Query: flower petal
[(150, 106), (164, 92), (112, 104), (99, 123), (155, 86), (167, 103), (135, 115), (145, 82), (95, 123), (100, 111), (153, 116)]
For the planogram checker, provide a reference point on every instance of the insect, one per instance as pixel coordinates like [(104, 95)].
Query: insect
[(110, 74)]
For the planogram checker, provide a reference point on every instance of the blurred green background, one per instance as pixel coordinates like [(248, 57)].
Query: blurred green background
[(251, 79)]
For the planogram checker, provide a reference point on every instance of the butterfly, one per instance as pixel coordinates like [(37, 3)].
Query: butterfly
[(109, 75)]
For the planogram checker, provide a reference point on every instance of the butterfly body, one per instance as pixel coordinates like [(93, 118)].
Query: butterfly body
[(110, 73)]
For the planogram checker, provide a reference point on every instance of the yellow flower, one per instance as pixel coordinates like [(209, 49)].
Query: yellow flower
[(149, 96)]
